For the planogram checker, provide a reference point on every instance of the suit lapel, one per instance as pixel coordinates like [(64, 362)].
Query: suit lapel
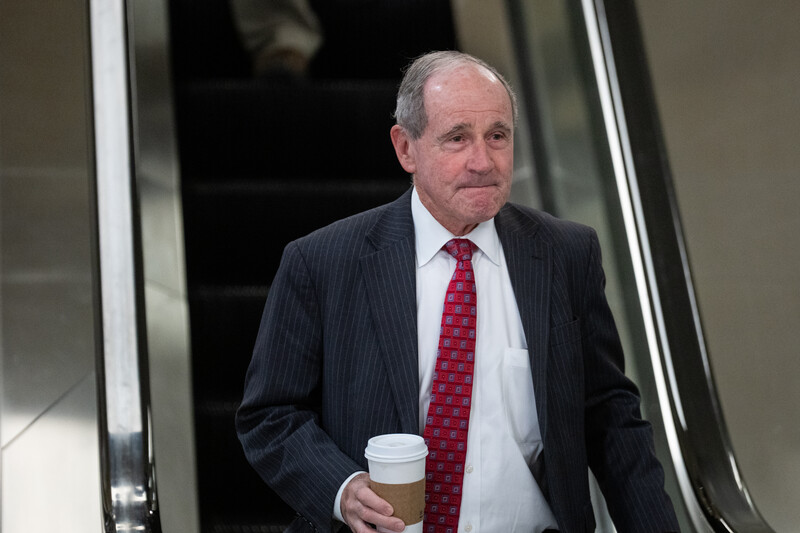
[(530, 269), (390, 279)]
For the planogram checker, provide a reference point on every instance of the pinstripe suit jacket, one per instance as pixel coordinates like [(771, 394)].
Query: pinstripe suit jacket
[(335, 363)]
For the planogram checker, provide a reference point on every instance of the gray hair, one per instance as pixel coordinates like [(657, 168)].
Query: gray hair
[(410, 111)]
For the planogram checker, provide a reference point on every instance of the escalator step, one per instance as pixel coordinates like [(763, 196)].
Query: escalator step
[(236, 232), (377, 38), (204, 43), (245, 498), (245, 528), (225, 322), (267, 130)]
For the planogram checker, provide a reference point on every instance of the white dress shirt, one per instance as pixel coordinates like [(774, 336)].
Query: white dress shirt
[(499, 491)]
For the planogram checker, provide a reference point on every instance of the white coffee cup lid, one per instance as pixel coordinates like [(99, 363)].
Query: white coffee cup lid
[(396, 448)]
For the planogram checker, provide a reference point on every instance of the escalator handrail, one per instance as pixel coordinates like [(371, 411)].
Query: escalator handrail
[(127, 468), (712, 486)]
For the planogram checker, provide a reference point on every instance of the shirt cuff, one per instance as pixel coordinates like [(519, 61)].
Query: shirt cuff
[(337, 503)]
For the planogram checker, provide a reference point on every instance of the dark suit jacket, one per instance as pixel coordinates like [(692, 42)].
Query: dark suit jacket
[(335, 363)]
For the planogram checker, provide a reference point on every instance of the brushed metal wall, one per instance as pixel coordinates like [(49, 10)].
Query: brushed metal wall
[(48, 414)]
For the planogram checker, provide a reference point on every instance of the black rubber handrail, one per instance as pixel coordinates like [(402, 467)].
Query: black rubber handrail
[(705, 446)]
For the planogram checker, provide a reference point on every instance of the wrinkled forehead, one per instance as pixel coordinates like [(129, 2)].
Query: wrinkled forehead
[(466, 87), (461, 75)]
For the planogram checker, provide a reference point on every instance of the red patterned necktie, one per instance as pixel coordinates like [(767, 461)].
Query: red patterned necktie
[(448, 415)]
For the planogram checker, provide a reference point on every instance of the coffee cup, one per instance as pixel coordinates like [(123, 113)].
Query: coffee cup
[(397, 474)]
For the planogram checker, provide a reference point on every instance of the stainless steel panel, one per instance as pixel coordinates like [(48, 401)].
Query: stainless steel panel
[(45, 290), (162, 236), (51, 472), (171, 393), (48, 425), (166, 304), (47, 318)]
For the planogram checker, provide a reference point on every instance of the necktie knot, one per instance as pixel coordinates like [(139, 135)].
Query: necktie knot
[(460, 249)]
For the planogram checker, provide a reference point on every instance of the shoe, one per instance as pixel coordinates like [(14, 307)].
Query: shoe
[(282, 63)]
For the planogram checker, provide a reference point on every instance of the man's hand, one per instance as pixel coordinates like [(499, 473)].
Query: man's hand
[(361, 506)]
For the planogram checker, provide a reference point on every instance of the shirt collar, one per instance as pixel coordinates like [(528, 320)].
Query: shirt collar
[(430, 236)]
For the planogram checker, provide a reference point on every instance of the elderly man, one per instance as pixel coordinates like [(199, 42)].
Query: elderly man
[(355, 342)]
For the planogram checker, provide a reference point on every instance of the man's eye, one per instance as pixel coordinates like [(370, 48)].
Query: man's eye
[(457, 138)]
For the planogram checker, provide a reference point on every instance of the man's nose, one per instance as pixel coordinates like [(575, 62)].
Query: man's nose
[(480, 159)]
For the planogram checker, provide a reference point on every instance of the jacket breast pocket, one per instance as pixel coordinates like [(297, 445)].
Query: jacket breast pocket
[(565, 333)]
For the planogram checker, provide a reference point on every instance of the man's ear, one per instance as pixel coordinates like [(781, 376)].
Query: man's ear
[(403, 149)]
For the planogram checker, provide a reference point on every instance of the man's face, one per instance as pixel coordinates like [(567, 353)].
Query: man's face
[(463, 162)]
